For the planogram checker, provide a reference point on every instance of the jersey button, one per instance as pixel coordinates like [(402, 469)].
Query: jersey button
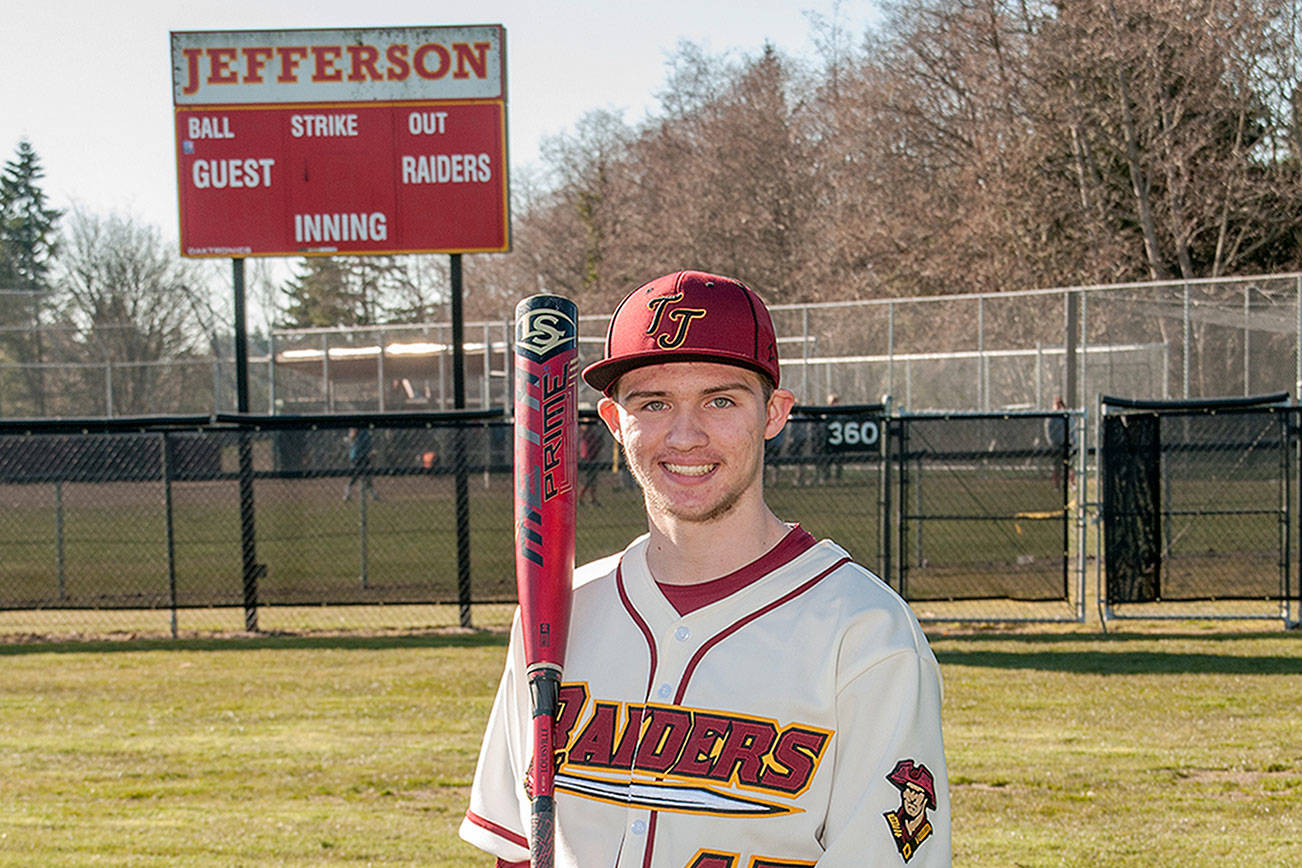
[(665, 691), (639, 827), (682, 634)]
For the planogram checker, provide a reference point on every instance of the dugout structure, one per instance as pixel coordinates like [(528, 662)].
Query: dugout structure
[(1198, 501)]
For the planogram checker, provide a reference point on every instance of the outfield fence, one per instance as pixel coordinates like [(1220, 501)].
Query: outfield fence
[(404, 521), (376, 522)]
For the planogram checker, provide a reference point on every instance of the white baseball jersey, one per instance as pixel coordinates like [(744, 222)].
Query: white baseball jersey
[(794, 722)]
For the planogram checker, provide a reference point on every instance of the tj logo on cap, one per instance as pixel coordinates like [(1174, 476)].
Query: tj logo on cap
[(680, 317)]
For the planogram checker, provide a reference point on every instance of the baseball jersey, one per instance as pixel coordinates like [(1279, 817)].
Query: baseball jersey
[(794, 722)]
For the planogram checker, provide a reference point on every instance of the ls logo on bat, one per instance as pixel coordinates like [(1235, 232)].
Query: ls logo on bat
[(541, 332)]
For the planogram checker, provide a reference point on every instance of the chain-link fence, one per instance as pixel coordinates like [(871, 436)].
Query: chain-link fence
[(988, 512), (375, 522), (1199, 509), (957, 353)]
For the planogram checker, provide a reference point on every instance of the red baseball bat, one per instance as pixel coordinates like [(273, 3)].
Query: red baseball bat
[(546, 424)]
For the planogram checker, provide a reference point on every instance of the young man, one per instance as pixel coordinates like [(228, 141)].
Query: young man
[(737, 695)]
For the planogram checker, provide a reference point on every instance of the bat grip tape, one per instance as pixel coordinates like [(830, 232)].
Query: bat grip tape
[(545, 690)]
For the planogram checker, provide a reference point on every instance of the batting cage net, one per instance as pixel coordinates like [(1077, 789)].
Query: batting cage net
[(1197, 507)]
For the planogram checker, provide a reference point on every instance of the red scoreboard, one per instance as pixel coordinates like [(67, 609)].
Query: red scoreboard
[(306, 142)]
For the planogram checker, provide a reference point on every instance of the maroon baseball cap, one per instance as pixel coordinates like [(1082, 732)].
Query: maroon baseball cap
[(687, 316)]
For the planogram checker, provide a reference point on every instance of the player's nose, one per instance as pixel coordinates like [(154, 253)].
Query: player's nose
[(685, 430)]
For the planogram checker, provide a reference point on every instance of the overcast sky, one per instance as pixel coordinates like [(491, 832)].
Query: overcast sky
[(89, 83)]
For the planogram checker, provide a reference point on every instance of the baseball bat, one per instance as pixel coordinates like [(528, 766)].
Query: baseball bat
[(546, 425)]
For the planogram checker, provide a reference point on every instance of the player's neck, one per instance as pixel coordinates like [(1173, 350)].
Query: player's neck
[(687, 552)]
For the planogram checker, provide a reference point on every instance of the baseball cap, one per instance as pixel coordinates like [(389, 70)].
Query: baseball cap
[(687, 316)]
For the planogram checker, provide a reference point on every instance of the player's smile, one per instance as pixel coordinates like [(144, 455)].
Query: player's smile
[(689, 469)]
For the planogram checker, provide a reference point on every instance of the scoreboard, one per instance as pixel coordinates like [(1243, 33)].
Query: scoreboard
[(308, 142)]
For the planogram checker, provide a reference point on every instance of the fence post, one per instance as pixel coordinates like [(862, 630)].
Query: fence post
[(327, 394), (271, 374), (459, 446), (58, 538), (169, 528), (890, 350), (1247, 342), (902, 498), (379, 372), (885, 505), (1072, 327), (248, 540), (983, 394), (804, 353), (1185, 393), (362, 529)]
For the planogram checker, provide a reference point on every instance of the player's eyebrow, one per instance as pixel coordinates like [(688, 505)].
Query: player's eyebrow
[(643, 394)]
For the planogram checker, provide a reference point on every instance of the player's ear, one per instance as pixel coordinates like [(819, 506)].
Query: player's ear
[(779, 408), (608, 410)]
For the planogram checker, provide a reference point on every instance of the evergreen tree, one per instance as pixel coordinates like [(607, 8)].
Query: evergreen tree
[(357, 291), (28, 242), (28, 232), (337, 291)]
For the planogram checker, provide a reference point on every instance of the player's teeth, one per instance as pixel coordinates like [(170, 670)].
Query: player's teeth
[(690, 469)]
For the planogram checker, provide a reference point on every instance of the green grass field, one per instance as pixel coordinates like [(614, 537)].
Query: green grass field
[(1069, 748)]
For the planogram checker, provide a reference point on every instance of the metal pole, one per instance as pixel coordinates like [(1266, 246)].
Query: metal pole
[(58, 539), (1039, 375), (485, 393), (1186, 342), (1084, 341), (217, 385), (169, 528), (327, 397), (983, 398), (804, 354), (884, 528), (379, 373), (890, 348), (459, 445), (1247, 343), (248, 542), (443, 375), (1072, 329), (271, 374), (1297, 345), (364, 495)]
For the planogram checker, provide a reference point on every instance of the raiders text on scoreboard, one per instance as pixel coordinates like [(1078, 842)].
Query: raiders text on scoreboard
[(341, 141)]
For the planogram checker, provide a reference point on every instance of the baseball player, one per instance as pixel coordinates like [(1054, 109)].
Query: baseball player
[(736, 694)]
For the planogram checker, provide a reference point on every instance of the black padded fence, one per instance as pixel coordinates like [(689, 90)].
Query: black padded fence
[(376, 521), (1199, 508)]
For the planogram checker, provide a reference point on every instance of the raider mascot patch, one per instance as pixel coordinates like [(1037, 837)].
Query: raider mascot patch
[(909, 823)]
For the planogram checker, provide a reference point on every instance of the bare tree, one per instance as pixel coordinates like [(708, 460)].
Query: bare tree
[(128, 296)]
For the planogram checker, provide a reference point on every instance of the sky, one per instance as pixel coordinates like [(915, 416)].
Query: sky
[(88, 83)]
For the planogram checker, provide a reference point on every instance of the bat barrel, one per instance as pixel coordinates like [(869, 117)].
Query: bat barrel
[(546, 466)]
